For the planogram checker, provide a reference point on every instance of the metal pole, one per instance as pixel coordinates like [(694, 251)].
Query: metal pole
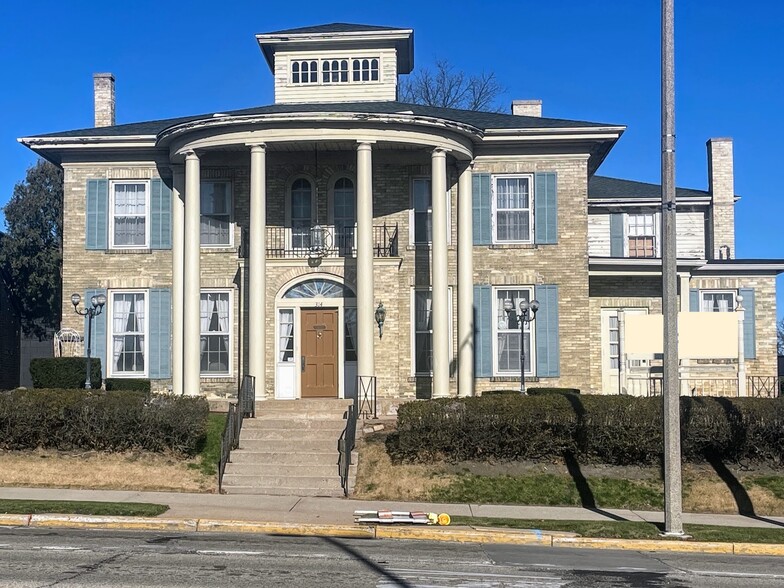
[(522, 353), (87, 383), (673, 524)]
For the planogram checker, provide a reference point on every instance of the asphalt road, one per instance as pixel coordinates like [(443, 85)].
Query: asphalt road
[(75, 559)]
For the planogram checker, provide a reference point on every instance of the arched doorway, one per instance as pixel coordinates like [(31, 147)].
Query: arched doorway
[(315, 347)]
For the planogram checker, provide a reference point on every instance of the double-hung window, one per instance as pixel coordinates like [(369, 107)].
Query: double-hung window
[(422, 330), (717, 301), (421, 216), (641, 232), (130, 204), (506, 352), (216, 225), (513, 212), (128, 328), (215, 330)]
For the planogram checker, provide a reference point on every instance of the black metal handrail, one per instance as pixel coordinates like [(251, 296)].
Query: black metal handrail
[(765, 386), (292, 243), (366, 393), (230, 440)]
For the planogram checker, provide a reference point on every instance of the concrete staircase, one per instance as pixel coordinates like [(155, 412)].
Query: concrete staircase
[(290, 448)]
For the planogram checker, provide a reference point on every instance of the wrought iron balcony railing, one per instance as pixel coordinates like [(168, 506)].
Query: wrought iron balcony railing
[(322, 241)]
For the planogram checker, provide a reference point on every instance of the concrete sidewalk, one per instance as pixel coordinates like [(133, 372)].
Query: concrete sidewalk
[(339, 511)]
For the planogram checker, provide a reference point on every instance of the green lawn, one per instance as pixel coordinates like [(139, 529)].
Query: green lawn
[(127, 509), (552, 490), (630, 529), (210, 451)]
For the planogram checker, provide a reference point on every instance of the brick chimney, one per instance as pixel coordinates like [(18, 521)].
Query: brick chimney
[(103, 85), (527, 108), (721, 185)]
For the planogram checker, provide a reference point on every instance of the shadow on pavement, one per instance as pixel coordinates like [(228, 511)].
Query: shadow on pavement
[(396, 580)]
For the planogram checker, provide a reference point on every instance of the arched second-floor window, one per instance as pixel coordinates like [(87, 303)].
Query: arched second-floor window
[(301, 213), (344, 214)]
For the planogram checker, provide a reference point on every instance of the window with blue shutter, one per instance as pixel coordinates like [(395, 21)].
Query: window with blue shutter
[(483, 331), (694, 300), (616, 234), (481, 209), (98, 339), (548, 363), (749, 323), (96, 214), (160, 209), (545, 208), (160, 333)]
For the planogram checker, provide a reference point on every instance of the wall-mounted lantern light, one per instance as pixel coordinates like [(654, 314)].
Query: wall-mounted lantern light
[(381, 316)]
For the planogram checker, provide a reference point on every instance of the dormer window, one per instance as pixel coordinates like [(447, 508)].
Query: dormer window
[(335, 71), (304, 72)]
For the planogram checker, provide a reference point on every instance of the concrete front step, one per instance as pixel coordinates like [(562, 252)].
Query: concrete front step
[(328, 470), (302, 405), (292, 445), (283, 457), (326, 437), (299, 424), (282, 491), (325, 482)]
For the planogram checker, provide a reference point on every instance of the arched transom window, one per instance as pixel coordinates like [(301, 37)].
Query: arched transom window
[(319, 288)]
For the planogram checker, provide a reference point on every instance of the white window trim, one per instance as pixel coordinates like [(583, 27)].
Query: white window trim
[(110, 331), (320, 66), (532, 346), (494, 210), (734, 294), (147, 215), (230, 188), (412, 312), (412, 216), (230, 372), (656, 237)]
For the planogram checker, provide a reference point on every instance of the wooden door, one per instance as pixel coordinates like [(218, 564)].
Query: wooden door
[(319, 361)]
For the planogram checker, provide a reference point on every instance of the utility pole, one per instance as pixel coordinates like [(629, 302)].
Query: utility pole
[(673, 523)]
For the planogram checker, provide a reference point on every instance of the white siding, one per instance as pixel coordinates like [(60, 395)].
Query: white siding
[(599, 235), (691, 234), (384, 89)]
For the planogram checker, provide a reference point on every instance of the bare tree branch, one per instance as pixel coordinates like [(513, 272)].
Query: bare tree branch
[(445, 87)]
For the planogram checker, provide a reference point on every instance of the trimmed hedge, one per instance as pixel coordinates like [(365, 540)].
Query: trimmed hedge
[(618, 430), (64, 372), (131, 384), (98, 420)]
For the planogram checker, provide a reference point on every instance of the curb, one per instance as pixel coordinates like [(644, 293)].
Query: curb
[(445, 534)]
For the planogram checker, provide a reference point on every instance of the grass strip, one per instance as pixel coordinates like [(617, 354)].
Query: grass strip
[(209, 452), (119, 509), (631, 529)]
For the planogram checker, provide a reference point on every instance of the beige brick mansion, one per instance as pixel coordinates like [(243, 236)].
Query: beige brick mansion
[(339, 234)]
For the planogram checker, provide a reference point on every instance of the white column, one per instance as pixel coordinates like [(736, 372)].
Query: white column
[(622, 364), (192, 278), (257, 265), (365, 307), (465, 285), (441, 327), (178, 236)]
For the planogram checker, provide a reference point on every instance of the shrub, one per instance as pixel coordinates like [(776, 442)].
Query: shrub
[(618, 430), (499, 392), (544, 391), (64, 372), (131, 384), (98, 420)]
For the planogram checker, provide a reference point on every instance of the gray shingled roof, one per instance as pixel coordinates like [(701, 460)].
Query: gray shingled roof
[(335, 27), (481, 120), (600, 187)]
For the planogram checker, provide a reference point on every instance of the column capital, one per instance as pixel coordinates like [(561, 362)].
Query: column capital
[(439, 152), (364, 145), (257, 147), (191, 155)]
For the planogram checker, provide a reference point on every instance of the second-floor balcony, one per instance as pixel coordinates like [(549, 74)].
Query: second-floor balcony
[(323, 241)]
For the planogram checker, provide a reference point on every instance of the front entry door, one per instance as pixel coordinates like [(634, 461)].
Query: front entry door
[(319, 361)]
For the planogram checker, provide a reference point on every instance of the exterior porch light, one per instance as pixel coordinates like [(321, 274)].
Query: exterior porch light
[(98, 303), (318, 241), (381, 316), (527, 314)]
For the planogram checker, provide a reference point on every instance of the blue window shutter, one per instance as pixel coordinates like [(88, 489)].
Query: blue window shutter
[(96, 213), (749, 324), (160, 333), (160, 208), (483, 332), (546, 208), (548, 363), (694, 300), (616, 235), (98, 347), (481, 209)]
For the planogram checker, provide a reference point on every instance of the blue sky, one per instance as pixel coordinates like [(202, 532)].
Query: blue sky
[(595, 60)]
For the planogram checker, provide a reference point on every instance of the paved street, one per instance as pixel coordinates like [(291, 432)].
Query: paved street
[(74, 559)]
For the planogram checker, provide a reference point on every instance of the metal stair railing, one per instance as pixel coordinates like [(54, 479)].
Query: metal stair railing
[(347, 439), (230, 440)]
